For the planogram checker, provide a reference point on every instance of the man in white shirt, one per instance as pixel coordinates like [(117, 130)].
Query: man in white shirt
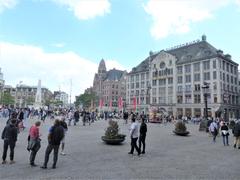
[(134, 136)]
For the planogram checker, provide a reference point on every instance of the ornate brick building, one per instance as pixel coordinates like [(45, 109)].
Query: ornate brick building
[(109, 86)]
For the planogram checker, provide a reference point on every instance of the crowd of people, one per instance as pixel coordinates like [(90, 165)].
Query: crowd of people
[(17, 121)]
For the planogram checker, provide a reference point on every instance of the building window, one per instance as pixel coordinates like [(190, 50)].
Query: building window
[(188, 78), (223, 76), (187, 68), (179, 89), (227, 67), (215, 98), (170, 90), (206, 76), (162, 82), (188, 88), (162, 91), (223, 65), (137, 85), (142, 76), (188, 99), (227, 78), (154, 100), (196, 77), (206, 65), (132, 78), (197, 87), (170, 80), (154, 91), (142, 84), (132, 85), (180, 79), (214, 64), (214, 75), (154, 82), (179, 99), (196, 66), (215, 86), (179, 70), (197, 98)]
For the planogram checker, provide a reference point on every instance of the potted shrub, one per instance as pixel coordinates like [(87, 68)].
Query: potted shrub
[(111, 134), (180, 129)]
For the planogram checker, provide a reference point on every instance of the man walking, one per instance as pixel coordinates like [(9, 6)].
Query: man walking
[(34, 142), (9, 135), (134, 136), (213, 129), (55, 136), (142, 137)]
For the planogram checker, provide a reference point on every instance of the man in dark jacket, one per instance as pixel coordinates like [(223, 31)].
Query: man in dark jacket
[(76, 117), (9, 135), (55, 136), (142, 137), (236, 133)]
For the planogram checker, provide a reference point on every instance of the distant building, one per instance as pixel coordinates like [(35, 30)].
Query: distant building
[(89, 91), (109, 86), (61, 96), (170, 81), (24, 95)]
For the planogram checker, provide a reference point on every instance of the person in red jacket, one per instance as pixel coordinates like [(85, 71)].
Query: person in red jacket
[(34, 142)]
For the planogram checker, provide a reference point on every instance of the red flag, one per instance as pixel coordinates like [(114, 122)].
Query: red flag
[(101, 103), (120, 103), (110, 104), (134, 103)]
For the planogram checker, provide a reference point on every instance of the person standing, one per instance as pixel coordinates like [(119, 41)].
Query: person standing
[(142, 137), (125, 117), (76, 117), (55, 136), (65, 127), (34, 143), (9, 135), (236, 133), (213, 129), (134, 136), (225, 133)]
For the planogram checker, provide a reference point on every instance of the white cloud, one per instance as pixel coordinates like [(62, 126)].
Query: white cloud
[(30, 63), (7, 4), (86, 9), (58, 45), (176, 17)]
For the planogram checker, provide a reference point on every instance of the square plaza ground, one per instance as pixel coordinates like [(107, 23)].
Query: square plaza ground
[(167, 156)]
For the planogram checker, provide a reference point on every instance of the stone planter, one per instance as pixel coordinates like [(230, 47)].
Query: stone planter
[(113, 141), (181, 133)]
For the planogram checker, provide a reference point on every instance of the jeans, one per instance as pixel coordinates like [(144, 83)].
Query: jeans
[(142, 141), (225, 140), (49, 149), (5, 148), (134, 145)]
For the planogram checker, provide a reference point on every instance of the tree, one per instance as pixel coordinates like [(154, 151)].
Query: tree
[(85, 99), (30, 101), (7, 99)]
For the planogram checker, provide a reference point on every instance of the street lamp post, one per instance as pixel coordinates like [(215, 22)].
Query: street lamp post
[(205, 87)]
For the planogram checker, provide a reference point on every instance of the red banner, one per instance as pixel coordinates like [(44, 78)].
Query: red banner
[(100, 103), (134, 103), (120, 103), (110, 104)]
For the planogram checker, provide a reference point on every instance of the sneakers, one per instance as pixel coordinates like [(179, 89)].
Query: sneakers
[(12, 162), (44, 167), (62, 153), (234, 146), (4, 162), (33, 165), (53, 167), (143, 152), (130, 153)]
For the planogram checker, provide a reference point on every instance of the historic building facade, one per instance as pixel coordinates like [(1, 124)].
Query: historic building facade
[(25, 95), (109, 86), (176, 78)]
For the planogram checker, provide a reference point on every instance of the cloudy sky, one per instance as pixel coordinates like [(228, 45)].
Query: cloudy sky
[(60, 40)]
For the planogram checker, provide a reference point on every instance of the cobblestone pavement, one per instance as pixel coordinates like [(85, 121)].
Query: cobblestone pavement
[(167, 156)]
